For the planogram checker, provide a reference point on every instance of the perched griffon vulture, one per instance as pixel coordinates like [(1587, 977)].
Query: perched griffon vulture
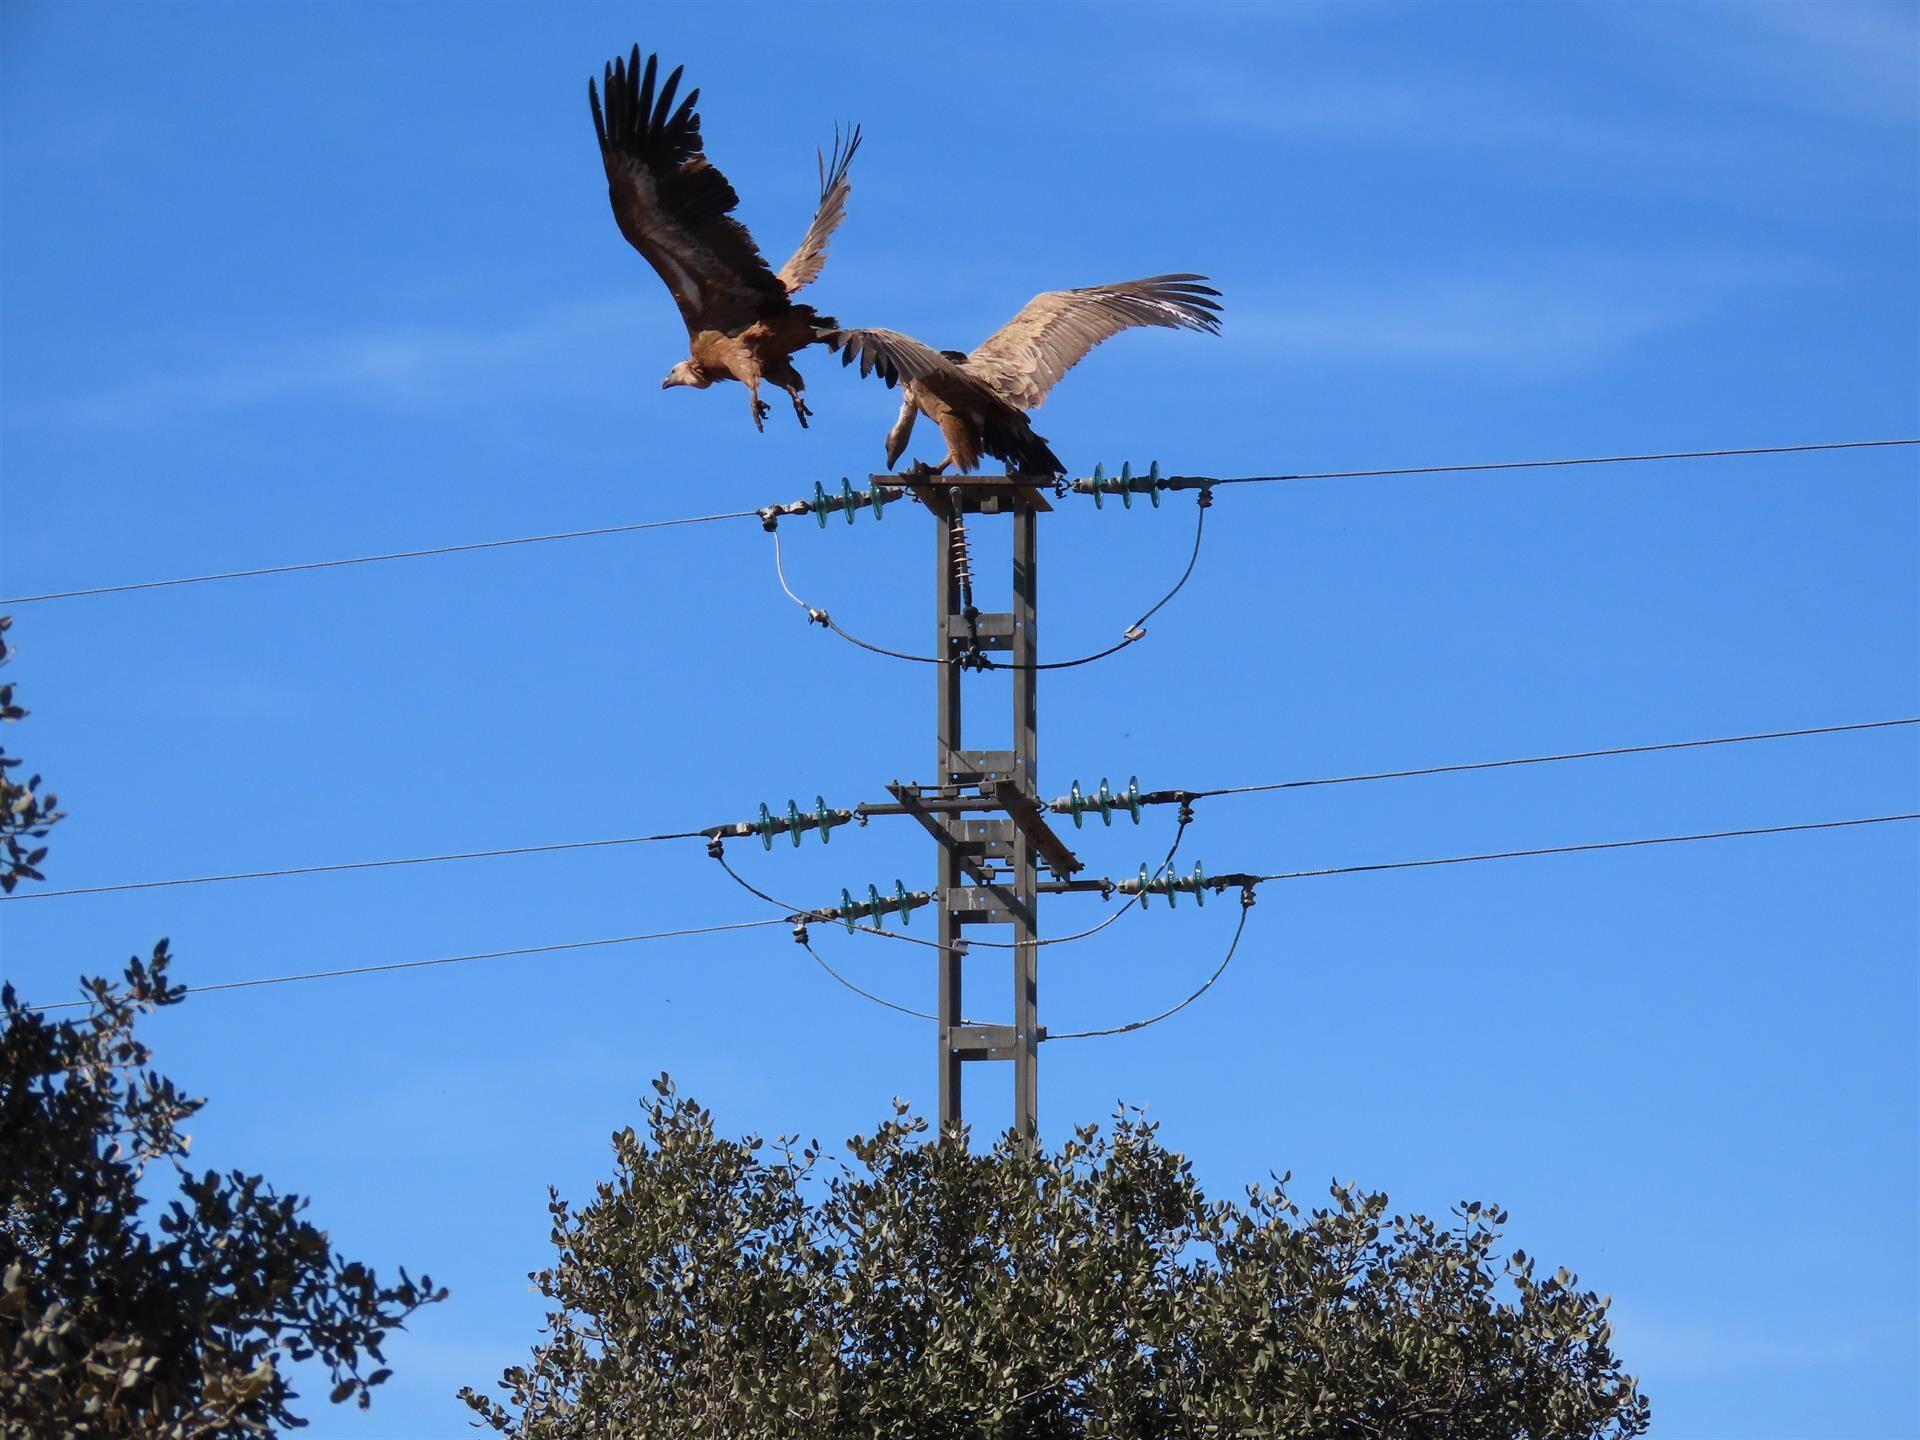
[(978, 399), (675, 208)]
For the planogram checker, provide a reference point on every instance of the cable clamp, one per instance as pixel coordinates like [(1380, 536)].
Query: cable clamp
[(769, 517), (1206, 497), (1106, 887), (715, 848), (799, 930), (1185, 815), (1246, 896), (820, 618), (1135, 632)]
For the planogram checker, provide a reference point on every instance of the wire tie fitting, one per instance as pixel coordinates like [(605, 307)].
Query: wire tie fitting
[(1133, 633), (769, 518), (715, 848), (1206, 496), (799, 931), (820, 618), (1185, 814), (1246, 896)]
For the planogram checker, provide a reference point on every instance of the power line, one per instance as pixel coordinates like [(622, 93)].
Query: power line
[(372, 559), (1218, 881), (976, 658), (355, 865), (1549, 759), (1246, 907), (1188, 480), (1246, 900), (1573, 849), (1168, 796), (1176, 482), (445, 960)]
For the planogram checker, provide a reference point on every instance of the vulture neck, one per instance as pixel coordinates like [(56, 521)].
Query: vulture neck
[(902, 429)]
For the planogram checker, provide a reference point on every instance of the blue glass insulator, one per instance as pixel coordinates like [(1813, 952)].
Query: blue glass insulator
[(1104, 800), (876, 906), (1199, 884), (1126, 483), (846, 910), (903, 902), (1099, 479), (765, 827), (793, 823), (823, 818), (847, 500), (1146, 886), (1132, 798), (820, 505), (1076, 804), (877, 497)]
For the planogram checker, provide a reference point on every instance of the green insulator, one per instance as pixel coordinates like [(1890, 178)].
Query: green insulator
[(1076, 804), (847, 500), (902, 902), (1172, 883), (1099, 480), (820, 505), (1199, 884), (847, 909), (1132, 798), (765, 827), (823, 818), (793, 823), (1146, 887), (877, 497), (877, 907), (1126, 483), (1153, 473), (1104, 800)]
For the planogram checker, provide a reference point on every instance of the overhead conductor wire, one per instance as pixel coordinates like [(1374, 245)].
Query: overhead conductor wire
[(1186, 482), (977, 660), (1183, 796), (1248, 883), (374, 559), (445, 960)]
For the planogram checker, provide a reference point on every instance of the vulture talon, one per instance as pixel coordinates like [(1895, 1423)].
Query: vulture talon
[(801, 412), (760, 412)]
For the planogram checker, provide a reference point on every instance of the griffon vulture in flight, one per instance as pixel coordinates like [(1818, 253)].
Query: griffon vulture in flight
[(675, 208), (978, 399)]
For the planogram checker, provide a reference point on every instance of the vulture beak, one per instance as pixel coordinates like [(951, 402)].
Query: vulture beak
[(667, 384)]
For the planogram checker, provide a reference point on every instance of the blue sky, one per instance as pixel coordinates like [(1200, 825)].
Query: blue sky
[(286, 283)]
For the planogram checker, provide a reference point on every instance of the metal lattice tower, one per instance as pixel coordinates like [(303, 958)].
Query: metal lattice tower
[(984, 807)]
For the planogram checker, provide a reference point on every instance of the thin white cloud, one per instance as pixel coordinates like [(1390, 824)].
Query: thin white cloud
[(1569, 314), (407, 366), (1853, 54)]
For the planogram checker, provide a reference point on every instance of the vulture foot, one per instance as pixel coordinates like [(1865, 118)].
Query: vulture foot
[(801, 412), (760, 412)]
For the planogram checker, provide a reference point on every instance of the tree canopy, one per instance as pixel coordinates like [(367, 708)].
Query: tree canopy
[(110, 1327), (717, 1287)]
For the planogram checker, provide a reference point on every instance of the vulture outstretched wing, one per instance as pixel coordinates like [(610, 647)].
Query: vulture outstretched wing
[(673, 205), (1024, 358), (803, 267), (1003, 429)]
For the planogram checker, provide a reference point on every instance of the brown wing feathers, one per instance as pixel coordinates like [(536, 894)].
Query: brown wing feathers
[(1053, 332), (803, 267), (671, 202)]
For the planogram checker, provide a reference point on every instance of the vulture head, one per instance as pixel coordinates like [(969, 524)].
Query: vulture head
[(686, 373)]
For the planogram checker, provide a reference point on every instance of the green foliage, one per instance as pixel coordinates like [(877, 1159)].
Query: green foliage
[(727, 1288), (112, 1328), (25, 814)]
